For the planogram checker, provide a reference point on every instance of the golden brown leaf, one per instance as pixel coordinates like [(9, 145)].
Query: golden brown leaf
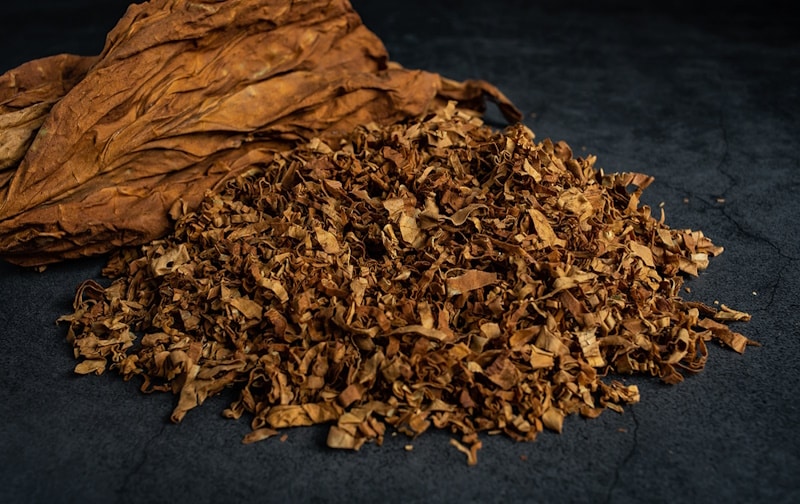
[(182, 99)]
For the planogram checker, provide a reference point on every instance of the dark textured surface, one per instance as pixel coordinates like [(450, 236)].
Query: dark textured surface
[(702, 96)]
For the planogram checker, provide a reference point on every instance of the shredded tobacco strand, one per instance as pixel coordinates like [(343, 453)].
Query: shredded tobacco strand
[(431, 273)]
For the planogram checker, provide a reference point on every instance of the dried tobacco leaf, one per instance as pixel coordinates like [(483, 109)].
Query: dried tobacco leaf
[(27, 93), (431, 273), (184, 95)]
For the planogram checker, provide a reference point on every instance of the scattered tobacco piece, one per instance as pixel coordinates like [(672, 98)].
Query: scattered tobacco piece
[(100, 152), (433, 273)]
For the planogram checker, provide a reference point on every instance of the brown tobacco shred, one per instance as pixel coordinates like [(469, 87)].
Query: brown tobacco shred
[(99, 152), (435, 273)]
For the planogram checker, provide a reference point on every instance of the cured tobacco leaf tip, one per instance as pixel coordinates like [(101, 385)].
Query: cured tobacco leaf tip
[(433, 273)]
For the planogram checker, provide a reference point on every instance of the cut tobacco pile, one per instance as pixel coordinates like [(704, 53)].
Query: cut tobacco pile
[(337, 238), (428, 274)]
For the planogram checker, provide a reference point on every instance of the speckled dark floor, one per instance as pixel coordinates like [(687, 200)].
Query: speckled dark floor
[(702, 96)]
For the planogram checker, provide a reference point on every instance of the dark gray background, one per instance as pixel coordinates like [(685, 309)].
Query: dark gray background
[(703, 96)]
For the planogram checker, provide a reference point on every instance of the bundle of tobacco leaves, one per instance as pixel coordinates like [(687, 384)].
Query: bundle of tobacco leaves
[(431, 273), (99, 152)]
